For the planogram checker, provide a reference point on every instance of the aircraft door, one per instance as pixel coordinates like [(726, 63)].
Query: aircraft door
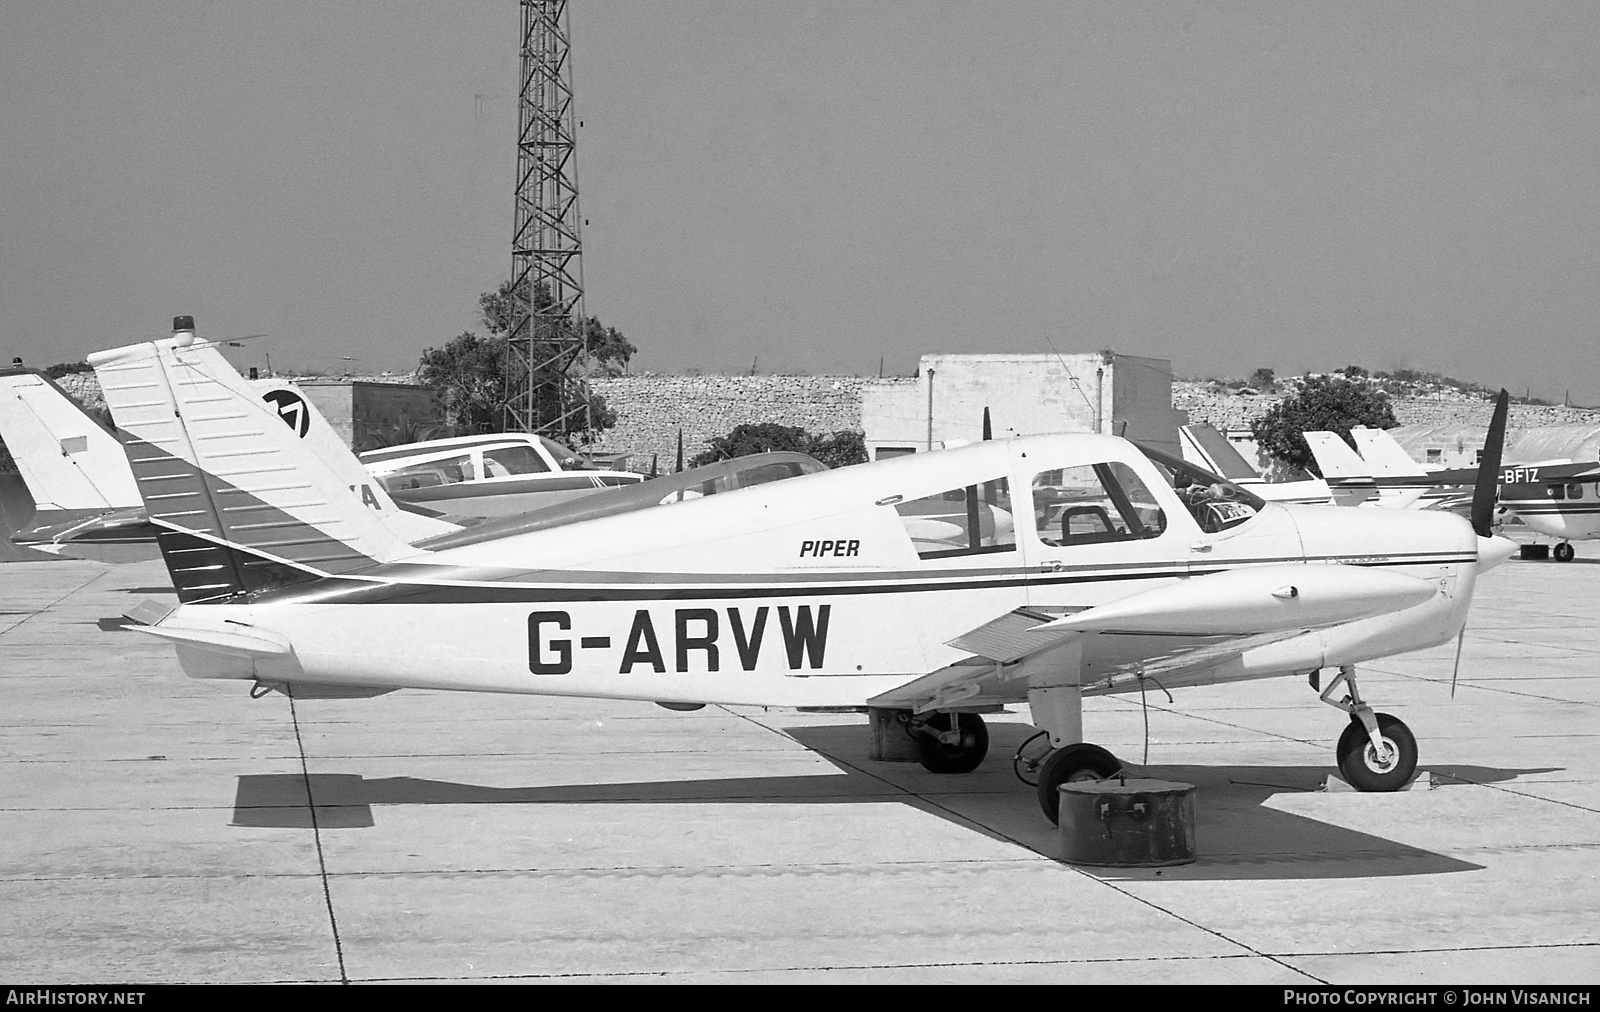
[(1094, 532)]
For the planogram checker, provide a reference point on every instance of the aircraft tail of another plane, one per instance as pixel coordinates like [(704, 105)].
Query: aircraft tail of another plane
[(1335, 458), (243, 498), (1205, 445), (1384, 456), (67, 457)]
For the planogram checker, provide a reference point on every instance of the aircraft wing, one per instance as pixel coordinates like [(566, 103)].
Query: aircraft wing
[(1175, 634)]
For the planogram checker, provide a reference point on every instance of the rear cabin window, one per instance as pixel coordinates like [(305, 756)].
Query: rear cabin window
[(974, 520), (503, 461), (1092, 504), (444, 471)]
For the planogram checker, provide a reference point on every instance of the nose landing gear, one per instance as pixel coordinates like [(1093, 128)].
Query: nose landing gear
[(1376, 752)]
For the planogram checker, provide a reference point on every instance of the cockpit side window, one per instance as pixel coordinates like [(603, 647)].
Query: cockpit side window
[(1092, 504), (974, 520)]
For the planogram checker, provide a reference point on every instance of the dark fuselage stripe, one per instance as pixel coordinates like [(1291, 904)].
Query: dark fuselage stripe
[(339, 590)]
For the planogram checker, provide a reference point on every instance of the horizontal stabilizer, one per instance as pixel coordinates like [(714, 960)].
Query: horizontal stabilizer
[(235, 641), (148, 612), (1243, 602)]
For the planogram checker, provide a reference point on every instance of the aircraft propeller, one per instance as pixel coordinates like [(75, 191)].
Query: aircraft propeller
[(1483, 493), (1483, 498)]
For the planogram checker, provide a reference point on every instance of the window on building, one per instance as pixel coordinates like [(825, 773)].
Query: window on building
[(963, 521), (1435, 455), (885, 452)]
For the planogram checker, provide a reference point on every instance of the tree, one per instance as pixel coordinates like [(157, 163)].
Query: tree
[(1263, 379), (469, 375), (470, 371), (608, 349), (1322, 403), (835, 450)]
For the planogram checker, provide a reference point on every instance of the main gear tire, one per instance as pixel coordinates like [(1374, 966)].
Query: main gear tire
[(963, 757), (1069, 764)]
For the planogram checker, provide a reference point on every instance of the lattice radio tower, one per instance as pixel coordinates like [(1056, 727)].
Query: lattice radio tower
[(547, 336)]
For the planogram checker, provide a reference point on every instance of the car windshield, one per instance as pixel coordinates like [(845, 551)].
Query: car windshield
[(1215, 502)]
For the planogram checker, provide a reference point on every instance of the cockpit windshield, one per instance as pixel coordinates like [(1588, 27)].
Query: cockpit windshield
[(1215, 502), (567, 459)]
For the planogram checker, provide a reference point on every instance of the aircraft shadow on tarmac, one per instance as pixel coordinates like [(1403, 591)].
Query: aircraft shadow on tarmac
[(1239, 836)]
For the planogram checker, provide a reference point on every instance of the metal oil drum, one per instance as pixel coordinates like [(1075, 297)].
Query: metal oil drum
[(1127, 823)]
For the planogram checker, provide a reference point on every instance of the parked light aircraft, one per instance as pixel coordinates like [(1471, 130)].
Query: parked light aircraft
[(938, 586), (1557, 500)]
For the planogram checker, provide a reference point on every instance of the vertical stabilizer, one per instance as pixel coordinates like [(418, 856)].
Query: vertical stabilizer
[(1335, 458), (1204, 445), (67, 458), (228, 475), (1384, 456)]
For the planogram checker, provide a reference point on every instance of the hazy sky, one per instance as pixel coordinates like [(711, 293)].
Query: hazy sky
[(810, 186)]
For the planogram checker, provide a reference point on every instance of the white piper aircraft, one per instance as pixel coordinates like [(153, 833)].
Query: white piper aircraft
[(940, 585)]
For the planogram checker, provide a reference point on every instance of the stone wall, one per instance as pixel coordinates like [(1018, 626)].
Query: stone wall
[(651, 409)]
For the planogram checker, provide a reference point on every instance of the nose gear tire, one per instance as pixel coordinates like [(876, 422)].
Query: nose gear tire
[(1365, 768)]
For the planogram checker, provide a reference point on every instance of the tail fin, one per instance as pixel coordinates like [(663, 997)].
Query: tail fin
[(1335, 457), (68, 459), (1215, 453), (1384, 456), (242, 501)]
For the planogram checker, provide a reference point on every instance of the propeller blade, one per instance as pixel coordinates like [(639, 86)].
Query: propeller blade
[(1461, 638), (655, 458), (1483, 493), (988, 433), (680, 451)]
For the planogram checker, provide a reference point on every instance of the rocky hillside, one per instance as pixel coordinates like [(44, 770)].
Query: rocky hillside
[(1205, 401)]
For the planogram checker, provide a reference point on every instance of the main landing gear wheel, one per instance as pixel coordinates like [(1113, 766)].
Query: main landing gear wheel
[(1366, 767), (1067, 765), (1564, 552), (960, 756)]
